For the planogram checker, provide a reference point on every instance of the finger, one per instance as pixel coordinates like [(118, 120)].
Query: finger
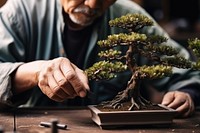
[(59, 77), (83, 77), (43, 83), (168, 98), (48, 92), (52, 96), (178, 101), (63, 83), (184, 110), (73, 79), (187, 108), (56, 88), (67, 88), (183, 104)]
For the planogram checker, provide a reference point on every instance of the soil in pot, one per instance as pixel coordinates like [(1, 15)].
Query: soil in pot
[(127, 105)]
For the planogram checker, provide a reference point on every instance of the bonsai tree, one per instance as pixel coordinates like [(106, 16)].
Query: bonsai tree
[(153, 48)]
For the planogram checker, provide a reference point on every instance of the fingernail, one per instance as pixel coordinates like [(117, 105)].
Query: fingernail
[(82, 93)]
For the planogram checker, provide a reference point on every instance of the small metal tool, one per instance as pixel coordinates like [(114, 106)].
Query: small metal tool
[(49, 124)]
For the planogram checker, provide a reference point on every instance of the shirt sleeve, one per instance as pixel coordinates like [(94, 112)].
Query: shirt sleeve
[(12, 55), (6, 70), (28, 31)]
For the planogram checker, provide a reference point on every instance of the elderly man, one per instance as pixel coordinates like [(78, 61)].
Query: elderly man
[(46, 44)]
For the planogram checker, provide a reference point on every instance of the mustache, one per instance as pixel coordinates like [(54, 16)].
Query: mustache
[(86, 10)]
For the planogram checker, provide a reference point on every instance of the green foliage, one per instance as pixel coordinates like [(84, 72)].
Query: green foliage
[(110, 54), (194, 44), (153, 72), (130, 39), (177, 61), (165, 57), (162, 49), (133, 22), (105, 70), (155, 39), (122, 39), (196, 65)]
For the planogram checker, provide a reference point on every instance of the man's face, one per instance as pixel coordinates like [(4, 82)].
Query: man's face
[(84, 12)]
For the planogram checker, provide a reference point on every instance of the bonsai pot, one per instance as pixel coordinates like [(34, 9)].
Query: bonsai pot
[(114, 119)]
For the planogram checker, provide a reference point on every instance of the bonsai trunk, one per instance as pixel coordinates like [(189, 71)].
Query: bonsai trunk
[(130, 95)]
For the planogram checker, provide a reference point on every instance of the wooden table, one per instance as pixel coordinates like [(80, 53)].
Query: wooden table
[(79, 120)]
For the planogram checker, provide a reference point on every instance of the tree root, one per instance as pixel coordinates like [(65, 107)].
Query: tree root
[(121, 98)]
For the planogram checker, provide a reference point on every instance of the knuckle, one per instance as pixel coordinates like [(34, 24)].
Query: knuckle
[(78, 87), (70, 75), (187, 104), (45, 90), (50, 95), (62, 82), (55, 89), (61, 59), (42, 81), (49, 67)]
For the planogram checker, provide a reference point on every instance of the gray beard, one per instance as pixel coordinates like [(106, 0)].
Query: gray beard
[(79, 22)]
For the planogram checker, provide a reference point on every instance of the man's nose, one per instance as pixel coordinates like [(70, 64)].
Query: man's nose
[(92, 3)]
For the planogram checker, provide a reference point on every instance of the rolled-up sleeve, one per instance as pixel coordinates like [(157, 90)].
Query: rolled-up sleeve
[(6, 70)]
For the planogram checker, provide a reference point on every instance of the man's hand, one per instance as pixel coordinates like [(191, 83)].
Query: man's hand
[(180, 101), (59, 79)]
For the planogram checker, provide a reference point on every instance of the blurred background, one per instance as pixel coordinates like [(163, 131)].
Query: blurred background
[(181, 19)]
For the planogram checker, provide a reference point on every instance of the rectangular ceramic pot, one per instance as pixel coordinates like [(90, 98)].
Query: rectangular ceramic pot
[(121, 118)]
